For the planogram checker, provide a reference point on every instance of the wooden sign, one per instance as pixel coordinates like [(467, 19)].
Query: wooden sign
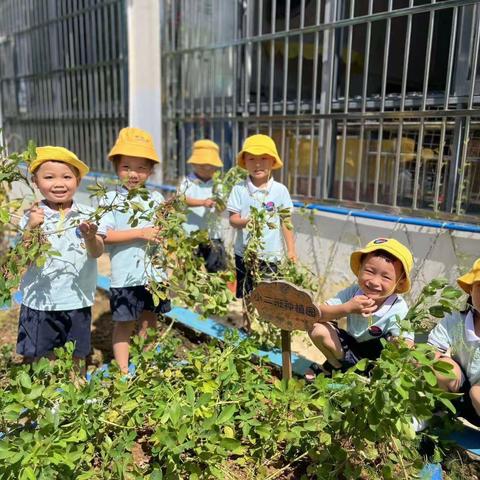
[(285, 305)]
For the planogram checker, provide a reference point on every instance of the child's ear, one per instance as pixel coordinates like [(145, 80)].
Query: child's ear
[(402, 282)]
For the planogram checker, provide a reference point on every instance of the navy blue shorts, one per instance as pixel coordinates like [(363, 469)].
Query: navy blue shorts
[(40, 332), (245, 282), (128, 303), (354, 351), (214, 255)]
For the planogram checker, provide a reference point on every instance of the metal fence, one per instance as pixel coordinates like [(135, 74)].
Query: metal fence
[(370, 102), (63, 74)]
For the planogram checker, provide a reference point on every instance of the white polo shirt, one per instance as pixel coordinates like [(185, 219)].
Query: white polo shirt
[(456, 333), (200, 218), (273, 197), (385, 320), (130, 263), (66, 282)]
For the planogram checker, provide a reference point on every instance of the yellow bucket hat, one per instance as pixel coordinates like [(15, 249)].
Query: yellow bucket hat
[(205, 152), (466, 281), (57, 154), (134, 143), (259, 145), (392, 246)]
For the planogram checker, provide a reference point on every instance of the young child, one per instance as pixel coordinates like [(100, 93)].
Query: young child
[(198, 190), (134, 157), (372, 305), (57, 297), (457, 340), (259, 157)]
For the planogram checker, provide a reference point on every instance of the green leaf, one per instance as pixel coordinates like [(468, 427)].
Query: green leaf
[(25, 381), (28, 474), (362, 364), (437, 311), (448, 404), (233, 445), (430, 377), (226, 414)]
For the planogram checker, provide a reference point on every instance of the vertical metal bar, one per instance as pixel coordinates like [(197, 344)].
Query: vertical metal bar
[(299, 99), (235, 58), (272, 65), (325, 127), (212, 70), (259, 61), (448, 82), (382, 103), (426, 73), (314, 98), (346, 101), (473, 72), (364, 101), (247, 63), (285, 86), (398, 146)]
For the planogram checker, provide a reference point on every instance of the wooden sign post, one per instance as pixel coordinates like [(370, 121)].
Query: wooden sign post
[(289, 308)]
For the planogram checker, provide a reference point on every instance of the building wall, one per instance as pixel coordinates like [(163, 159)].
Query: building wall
[(372, 103), (64, 75)]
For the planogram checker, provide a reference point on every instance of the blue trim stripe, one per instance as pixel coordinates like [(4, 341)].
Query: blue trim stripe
[(422, 222)]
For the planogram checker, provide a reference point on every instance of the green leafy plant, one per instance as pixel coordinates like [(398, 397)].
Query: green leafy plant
[(223, 182), (436, 300), (215, 414), (174, 251)]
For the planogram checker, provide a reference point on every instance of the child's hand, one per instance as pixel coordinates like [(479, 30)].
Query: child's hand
[(361, 304), (36, 216), (292, 256), (209, 203), (150, 234), (88, 230)]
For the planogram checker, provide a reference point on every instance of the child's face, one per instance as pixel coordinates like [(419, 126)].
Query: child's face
[(133, 171), (205, 172), (56, 181), (258, 166), (476, 296), (379, 277)]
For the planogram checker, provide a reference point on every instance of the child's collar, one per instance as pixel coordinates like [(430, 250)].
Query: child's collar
[(470, 334), (253, 189), (192, 176), (49, 211)]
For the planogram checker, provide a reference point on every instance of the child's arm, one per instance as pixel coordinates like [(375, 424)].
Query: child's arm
[(93, 242), (236, 221), (134, 234), (198, 202), (289, 237), (359, 304)]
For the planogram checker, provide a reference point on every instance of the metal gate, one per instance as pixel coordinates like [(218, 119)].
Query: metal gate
[(64, 74), (371, 103)]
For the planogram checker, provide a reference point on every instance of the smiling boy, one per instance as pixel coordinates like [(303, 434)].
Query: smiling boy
[(57, 296), (134, 158), (372, 305), (259, 157)]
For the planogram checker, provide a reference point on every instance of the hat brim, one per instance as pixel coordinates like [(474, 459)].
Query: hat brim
[(259, 151), (466, 281), (203, 159), (78, 164), (133, 151), (356, 263)]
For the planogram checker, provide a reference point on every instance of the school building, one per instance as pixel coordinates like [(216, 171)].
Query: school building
[(374, 104)]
